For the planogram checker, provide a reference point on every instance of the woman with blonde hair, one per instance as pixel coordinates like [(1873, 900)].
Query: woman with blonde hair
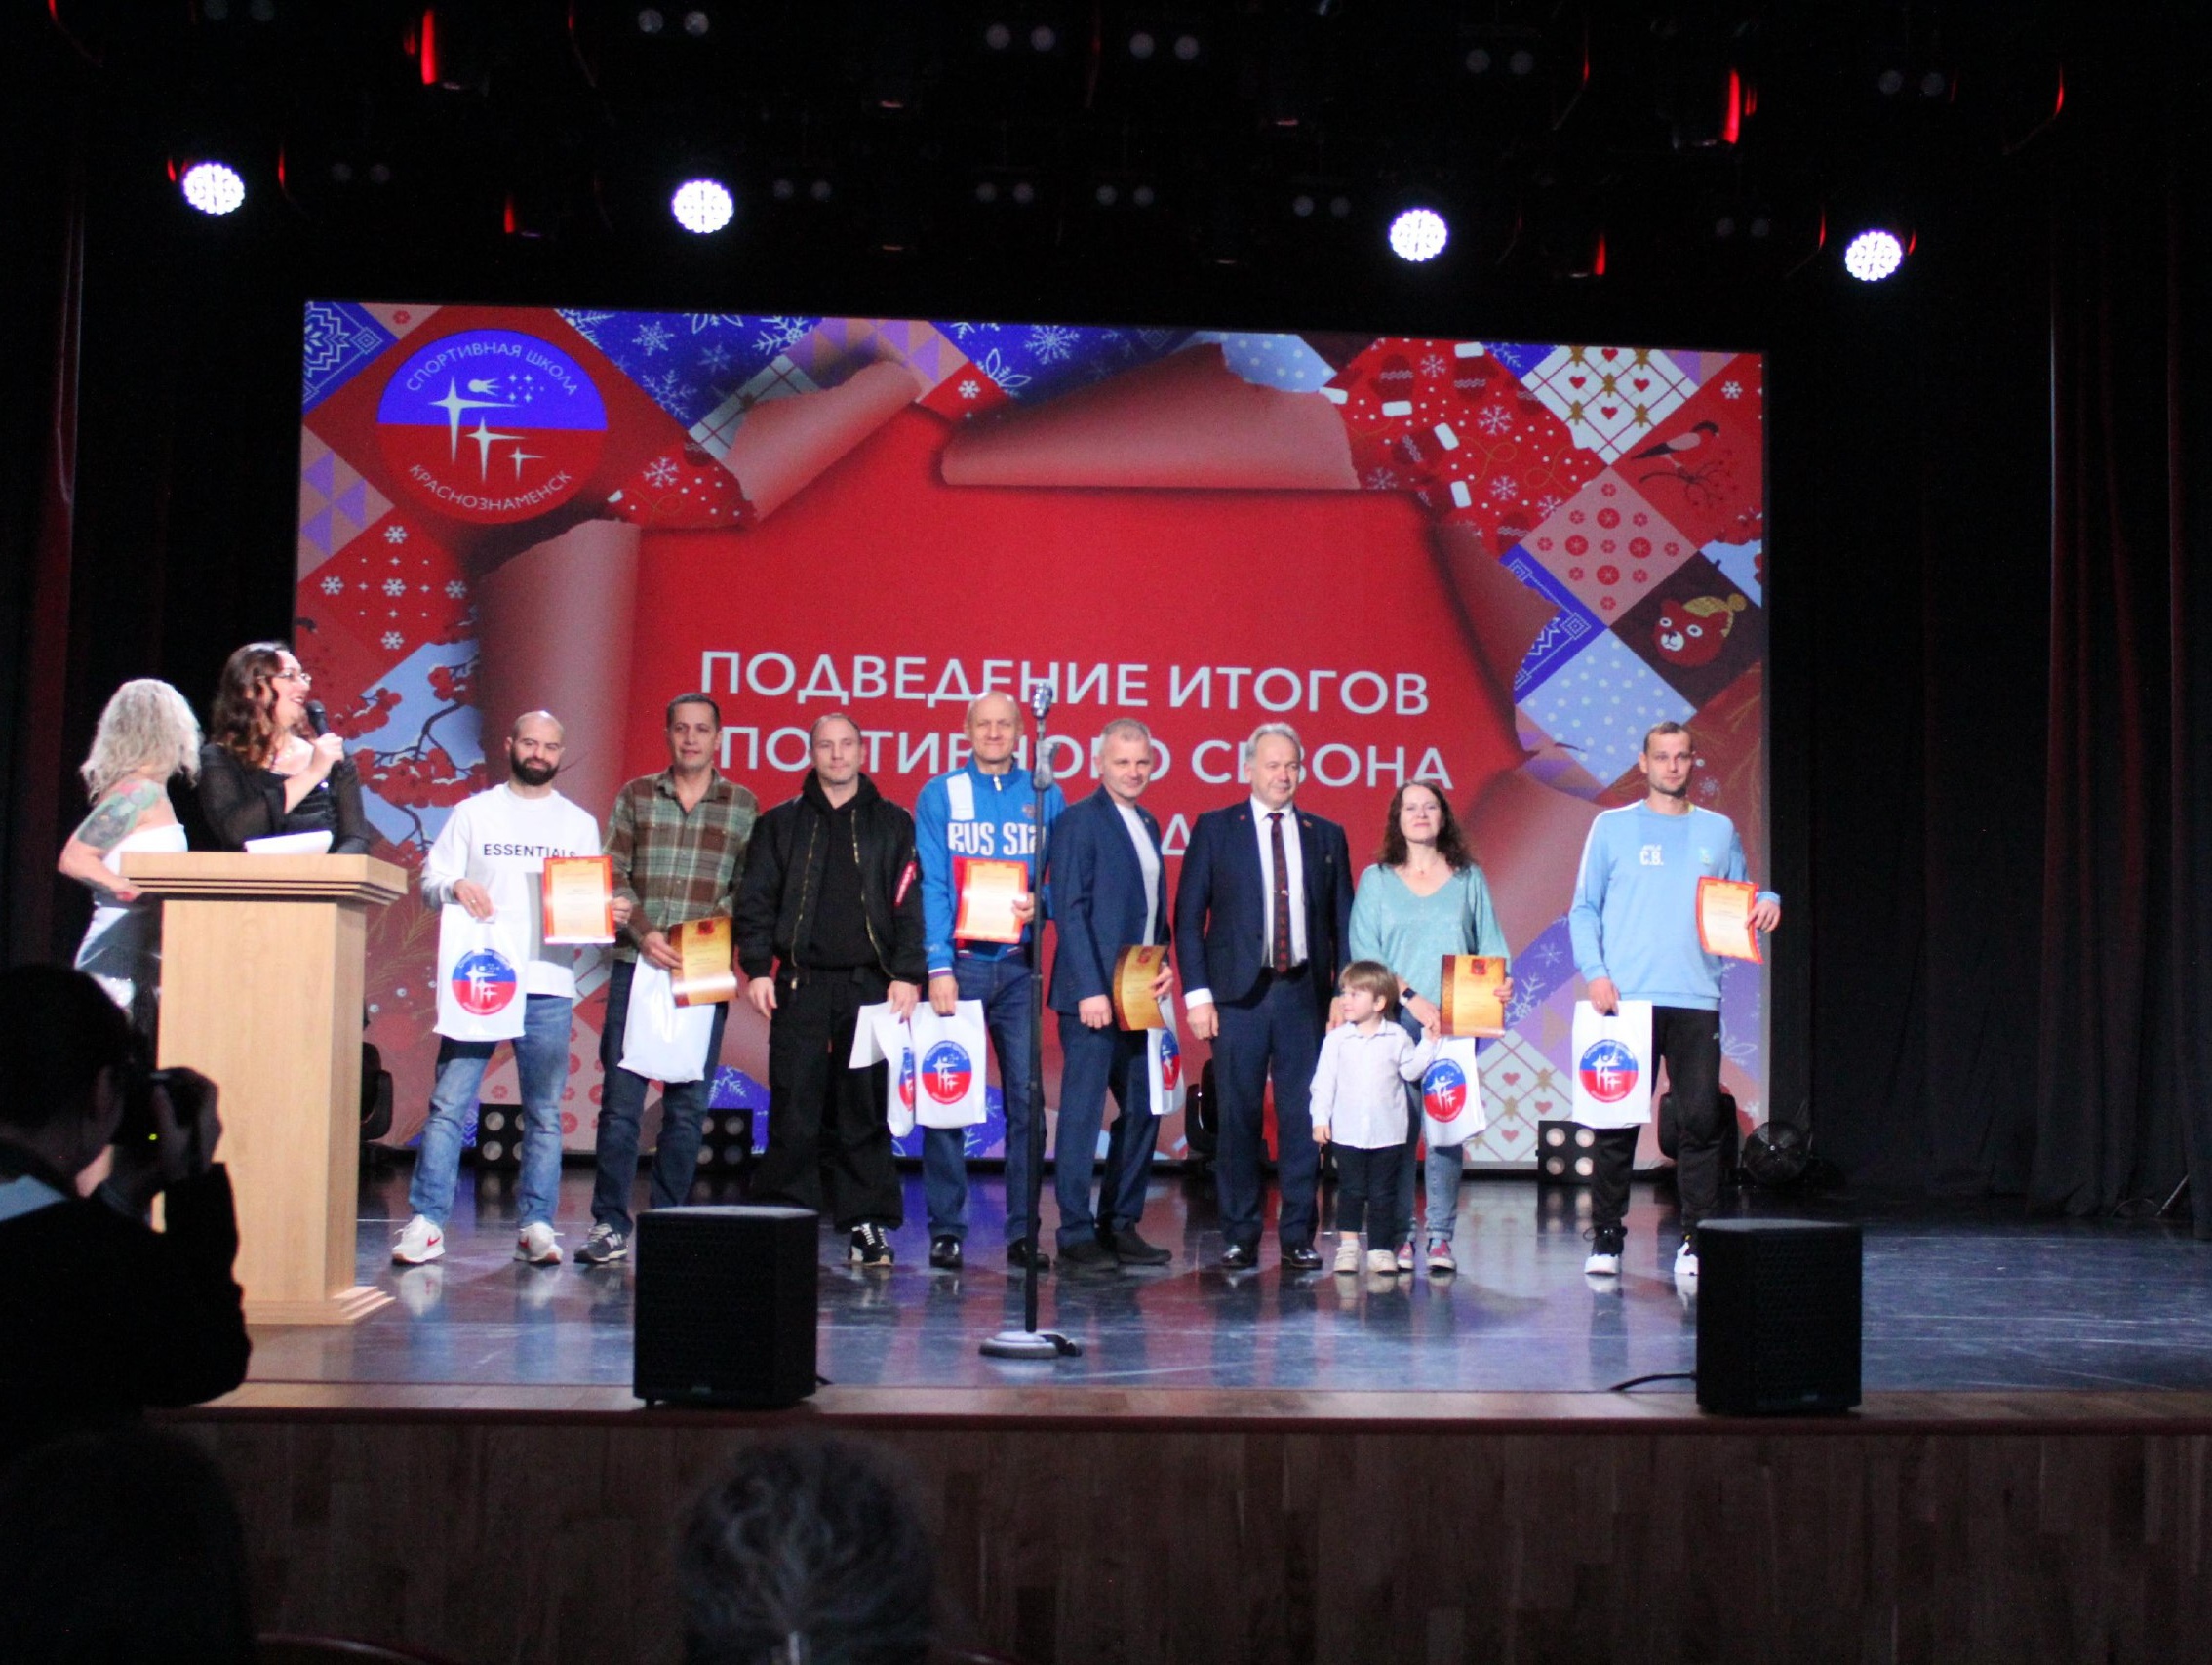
[(265, 771), (147, 734)]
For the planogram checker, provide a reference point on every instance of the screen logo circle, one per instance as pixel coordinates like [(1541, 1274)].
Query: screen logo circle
[(491, 426)]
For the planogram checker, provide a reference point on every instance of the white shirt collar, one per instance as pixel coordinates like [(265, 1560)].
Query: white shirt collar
[(1288, 811)]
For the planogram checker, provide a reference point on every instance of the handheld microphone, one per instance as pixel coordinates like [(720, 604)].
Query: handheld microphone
[(318, 719)]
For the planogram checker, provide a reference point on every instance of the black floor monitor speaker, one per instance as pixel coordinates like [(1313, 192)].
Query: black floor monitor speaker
[(726, 1306), (1777, 1317)]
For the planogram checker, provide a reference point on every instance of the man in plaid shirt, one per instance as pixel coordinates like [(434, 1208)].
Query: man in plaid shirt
[(678, 840)]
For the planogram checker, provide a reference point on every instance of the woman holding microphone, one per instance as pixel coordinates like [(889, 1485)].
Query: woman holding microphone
[(1424, 899), (266, 770)]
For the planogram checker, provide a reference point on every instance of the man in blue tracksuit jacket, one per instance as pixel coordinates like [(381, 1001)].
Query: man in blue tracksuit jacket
[(985, 809), (1634, 926)]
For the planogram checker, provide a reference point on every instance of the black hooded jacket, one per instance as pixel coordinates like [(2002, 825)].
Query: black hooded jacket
[(784, 882)]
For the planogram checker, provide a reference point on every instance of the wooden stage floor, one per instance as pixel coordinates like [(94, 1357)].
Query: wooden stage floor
[(1260, 1469)]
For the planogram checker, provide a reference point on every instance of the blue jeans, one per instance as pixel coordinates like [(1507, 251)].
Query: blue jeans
[(542, 1062), (621, 1106), (1004, 987), (1093, 1061)]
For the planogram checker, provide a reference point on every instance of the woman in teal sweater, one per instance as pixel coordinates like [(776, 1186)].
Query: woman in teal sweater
[(1425, 897)]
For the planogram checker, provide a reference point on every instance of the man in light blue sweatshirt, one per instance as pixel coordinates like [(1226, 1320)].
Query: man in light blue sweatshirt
[(1634, 924), (986, 809)]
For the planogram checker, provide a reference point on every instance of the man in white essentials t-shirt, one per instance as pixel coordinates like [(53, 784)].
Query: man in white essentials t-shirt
[(488, 861)]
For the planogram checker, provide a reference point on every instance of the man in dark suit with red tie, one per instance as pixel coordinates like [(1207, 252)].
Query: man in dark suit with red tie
[(1262, 918)]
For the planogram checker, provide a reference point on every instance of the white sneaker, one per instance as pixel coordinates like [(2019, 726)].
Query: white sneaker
[(1606, 1247), (419, 1241), (1348, 1251), (538, 1244), (1685, 1260), (1383, 1262)]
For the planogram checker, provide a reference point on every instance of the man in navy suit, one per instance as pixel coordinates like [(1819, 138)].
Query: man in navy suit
[(1109, 892), (1262, 916)]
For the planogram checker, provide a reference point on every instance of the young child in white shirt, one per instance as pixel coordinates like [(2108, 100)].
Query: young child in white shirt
[(1358, 1107)]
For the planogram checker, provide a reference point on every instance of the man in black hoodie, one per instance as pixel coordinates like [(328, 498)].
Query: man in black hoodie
[(105, 1315), (829, 920)]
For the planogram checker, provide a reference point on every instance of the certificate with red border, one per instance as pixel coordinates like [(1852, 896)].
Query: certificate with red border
[(705, 973), (988, 891), (1723, 919), (578, 898)]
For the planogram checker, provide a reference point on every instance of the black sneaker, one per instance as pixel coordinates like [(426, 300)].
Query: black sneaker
[(944, 1254), (1017, 1255), (1131, 1250), (870, 1247), (1606, 1246), (604, 1243), (1089, 1257)]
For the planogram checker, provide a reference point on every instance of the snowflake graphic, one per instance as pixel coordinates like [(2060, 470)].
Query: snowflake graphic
[(962, 331), (780, 335), (395, 534), (334, 585), (971, 388), (393, 639), (669, 387), (1504, 489), (395, 587), (716, 358), (1544, 954), (654, 336), (1494, 420), (589, 324), (994, 365), (661, 471), (455, 588), (1433, 365), (1052, 344), (703, 321), (1381, 480), (1547, 507), (1731, 390)]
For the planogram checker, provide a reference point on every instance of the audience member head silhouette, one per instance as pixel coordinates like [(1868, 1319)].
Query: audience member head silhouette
[(124, 1548), (806, 1551), (67, 1047)]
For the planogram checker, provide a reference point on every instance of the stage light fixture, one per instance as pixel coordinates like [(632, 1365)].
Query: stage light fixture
[(997, 37), (1873, 256), (1043, 38), (697, 24), (1142, 46), (702, 206), (212, 188), (1419, 234), (1187, 48), (650, 21)]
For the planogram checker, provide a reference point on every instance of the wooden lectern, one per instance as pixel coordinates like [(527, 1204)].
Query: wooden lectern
[(261, 991)]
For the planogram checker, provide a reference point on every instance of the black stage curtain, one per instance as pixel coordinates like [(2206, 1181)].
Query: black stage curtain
[(1985, 693)]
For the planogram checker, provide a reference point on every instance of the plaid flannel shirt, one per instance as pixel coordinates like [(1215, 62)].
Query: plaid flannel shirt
[(675, 865)]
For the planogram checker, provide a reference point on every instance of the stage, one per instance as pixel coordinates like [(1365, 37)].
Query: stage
[(1958, 1298), (1308, 1469)]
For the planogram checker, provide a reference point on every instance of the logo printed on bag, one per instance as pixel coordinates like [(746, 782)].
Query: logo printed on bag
[(1443, 1091), (1608, 1071), (906, 1077), (1170, 1061), (946, 1072), (484, 983)]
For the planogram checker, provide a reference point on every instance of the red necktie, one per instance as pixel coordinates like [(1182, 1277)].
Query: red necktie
[(1282, 896)]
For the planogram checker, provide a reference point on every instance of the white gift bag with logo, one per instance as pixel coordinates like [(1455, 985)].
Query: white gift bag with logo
[(1612, 1065), (949, 1070), (1451, 1094), (1163, 1066), (662, 1041), (879, 1037), (480, 992)]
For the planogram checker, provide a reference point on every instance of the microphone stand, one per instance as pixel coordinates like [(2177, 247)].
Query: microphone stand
[(1030, 1342)]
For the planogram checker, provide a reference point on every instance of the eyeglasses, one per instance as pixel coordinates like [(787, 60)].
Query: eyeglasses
[(291, 676)]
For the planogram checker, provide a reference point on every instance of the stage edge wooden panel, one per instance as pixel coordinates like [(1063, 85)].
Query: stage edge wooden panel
[(1938, 1528)]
